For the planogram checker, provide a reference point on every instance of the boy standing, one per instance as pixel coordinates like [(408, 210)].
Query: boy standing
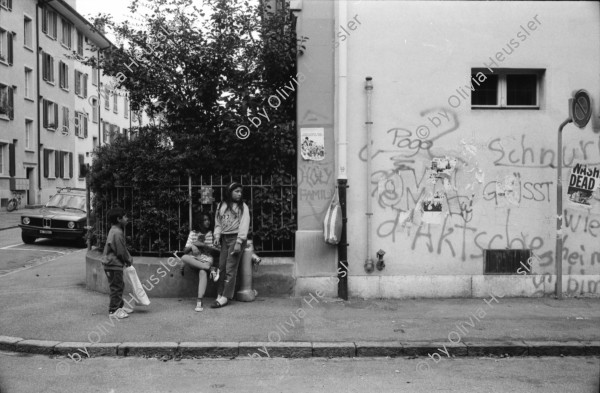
[(114, 258)]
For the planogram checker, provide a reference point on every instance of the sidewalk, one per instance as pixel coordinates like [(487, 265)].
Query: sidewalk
[(10, 220), (50, 303)]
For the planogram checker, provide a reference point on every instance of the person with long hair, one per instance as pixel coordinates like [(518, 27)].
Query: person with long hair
[(232, 222), (198, 254)]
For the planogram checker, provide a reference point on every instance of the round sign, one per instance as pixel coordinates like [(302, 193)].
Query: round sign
[(581, 108)]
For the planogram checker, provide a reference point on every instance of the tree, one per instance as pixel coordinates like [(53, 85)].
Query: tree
[(206, 72)]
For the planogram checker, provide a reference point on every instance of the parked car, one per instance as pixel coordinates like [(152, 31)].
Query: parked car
[(63, 217)]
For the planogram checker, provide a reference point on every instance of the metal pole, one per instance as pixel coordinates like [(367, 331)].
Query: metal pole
[(343, 244), (369, 123), (190, 197), (559, 212)]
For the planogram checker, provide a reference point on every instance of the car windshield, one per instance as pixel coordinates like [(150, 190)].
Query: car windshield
[(65, 201)]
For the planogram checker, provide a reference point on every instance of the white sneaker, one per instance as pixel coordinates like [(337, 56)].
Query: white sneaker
[(120, 314), (199, 307), (215, 275), (127, 309)]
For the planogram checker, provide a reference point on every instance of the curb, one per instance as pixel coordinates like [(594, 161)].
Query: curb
[(4, 229), (304, 349)]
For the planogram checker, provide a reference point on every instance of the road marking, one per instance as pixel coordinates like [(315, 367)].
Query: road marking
[(14, 245), (34, 249)]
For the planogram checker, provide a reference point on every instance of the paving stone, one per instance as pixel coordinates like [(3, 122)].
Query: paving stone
[(379, 348), (147, 349), (8, 343), (496, 348), (334, 349), (208, 350), (37, 346), (286, 349)]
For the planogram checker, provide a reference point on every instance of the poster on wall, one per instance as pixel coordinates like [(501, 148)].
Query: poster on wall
[(433, 209), (441, 168), (312, 145), (582, 182)]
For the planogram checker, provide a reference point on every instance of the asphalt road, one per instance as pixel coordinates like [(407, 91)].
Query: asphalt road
[(16, 255), (37, 373)]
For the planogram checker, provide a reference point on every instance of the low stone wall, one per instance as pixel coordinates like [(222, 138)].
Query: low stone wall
[(160, 279)]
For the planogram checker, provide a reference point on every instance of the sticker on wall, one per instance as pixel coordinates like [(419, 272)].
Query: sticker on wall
[(509, 189), (582, 182), (433, 209), (312, 146), (441, 168)]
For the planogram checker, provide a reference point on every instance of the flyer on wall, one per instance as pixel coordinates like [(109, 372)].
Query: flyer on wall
[(582, 182), (312, 143)]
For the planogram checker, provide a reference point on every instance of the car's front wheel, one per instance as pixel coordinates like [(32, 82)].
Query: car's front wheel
[(28, 239)]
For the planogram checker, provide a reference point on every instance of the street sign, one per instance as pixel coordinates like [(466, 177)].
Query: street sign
[(581, 108)]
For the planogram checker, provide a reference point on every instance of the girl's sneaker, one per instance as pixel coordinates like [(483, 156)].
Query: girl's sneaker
[(198, 307), (119, 313), (128, 310), (214, 274)]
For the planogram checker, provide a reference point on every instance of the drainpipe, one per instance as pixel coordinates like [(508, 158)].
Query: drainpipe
[(342, 89), (37, 100), (369, 124)]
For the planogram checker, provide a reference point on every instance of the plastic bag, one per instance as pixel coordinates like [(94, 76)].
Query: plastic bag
[(139, 295), (332, 225)]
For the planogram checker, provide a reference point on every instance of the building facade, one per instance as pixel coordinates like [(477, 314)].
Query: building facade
[(464, 107), (53, 108)]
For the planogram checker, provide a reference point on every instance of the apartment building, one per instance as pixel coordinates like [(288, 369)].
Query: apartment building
[(54, 110)]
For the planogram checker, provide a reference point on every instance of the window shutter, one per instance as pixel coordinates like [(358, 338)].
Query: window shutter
[(81, 162), (57, 163), (62, 164), (46, 162), (55, 24), (55, 116), (11, 159), (45, 21), (45, 112), (70, 165), (10, 48), (9, 5), (11, 103), (77, 85), (85, 125), (44, 67), (85, 82)]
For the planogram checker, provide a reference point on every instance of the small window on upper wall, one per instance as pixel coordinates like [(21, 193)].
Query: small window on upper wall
[(6, 4), (505, 88)]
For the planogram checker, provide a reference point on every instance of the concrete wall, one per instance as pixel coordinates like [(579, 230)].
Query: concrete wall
[(419, 54)]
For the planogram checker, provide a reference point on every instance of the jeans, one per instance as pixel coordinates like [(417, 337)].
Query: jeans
[(228, 265), (116, 285)]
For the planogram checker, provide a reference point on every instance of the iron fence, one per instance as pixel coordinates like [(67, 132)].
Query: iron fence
[(160, 217)]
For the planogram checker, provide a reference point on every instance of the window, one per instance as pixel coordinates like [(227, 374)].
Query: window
[(49, 164), (505, 88), (65, 163), (6, 102), (28, 131), (6, 4), (106, 98), (105, 131), (81, 124), (66, 33), (6, 46), (126, 107), (49, 23), (63, 75), (28, 33), (28, 83), (115, 102), (95, 110), (50, 115), (79, 43), (47, 67), (81, 159), (65, 120), (94, 76), (81, 83), (3, 158)]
